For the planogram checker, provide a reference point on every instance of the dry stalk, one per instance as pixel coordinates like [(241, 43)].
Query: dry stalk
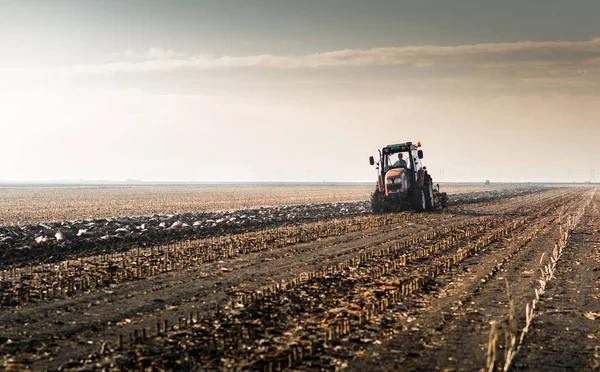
[(492, 353), (546, 274), (511, 345)]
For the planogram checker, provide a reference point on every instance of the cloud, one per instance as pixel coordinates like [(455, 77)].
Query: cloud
[(491, 55), (158, 53), (566, 67), (153, 53)]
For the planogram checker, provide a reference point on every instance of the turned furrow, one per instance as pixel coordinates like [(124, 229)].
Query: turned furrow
[(480, 205), (408, 285), (472, 283), (126, 265), (218, 341), (411, 284), (73, 277), (405, 284), (78, 277), (41, 282), (126, 294), (573, 281), (137, 334)]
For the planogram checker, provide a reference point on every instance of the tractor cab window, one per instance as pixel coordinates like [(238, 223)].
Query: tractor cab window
[(395, 161)]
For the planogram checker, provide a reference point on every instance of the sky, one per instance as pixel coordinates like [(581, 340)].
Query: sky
[(277, 90)]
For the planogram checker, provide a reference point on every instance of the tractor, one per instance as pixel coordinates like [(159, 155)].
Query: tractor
[(403, 183)]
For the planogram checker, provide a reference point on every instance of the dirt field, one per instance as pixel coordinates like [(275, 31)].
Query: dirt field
[(34, 205), (401, 291), (28, 205)]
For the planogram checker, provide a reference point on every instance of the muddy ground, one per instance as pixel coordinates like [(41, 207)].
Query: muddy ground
[(403, 291)]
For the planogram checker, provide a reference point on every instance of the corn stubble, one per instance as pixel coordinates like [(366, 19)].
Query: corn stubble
[(284, 324), (513, 340)]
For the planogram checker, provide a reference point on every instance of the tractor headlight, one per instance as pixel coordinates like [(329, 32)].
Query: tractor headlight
[(389, 181), (398, 180)]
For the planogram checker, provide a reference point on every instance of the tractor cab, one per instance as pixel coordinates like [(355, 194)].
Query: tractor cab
[(398, 165), (401, 159)]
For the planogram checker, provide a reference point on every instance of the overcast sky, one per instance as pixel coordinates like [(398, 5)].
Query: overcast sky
[(276, 90)]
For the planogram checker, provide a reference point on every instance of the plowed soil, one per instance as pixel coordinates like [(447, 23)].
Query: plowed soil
[(403, 291)]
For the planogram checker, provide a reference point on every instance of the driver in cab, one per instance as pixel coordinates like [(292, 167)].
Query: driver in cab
[(400, 163)]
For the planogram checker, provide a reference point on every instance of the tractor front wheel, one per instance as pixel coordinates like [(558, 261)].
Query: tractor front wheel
[(375, 202)]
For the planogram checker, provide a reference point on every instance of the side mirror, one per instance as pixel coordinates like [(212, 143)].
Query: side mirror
[(420, 153), (371, 160)]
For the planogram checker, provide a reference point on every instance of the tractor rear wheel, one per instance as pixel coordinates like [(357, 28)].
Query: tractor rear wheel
[(429, 198), (419, 201), (444, 200)]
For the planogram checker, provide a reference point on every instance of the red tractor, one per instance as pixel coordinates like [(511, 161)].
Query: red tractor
[(403, 183)]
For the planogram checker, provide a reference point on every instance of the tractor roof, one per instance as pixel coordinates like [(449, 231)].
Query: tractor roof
[(399, 147)]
